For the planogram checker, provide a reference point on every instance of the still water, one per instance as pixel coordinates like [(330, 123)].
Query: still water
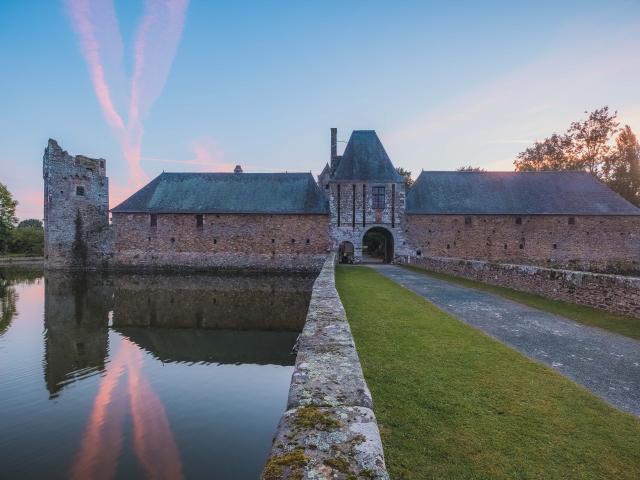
[(144, 376)]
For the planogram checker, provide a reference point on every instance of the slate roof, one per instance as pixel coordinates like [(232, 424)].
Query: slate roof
[(527, 193), (280, 193), (365, 159)]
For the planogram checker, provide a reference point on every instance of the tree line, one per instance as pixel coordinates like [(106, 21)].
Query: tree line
[(23, 238), (597, 145)]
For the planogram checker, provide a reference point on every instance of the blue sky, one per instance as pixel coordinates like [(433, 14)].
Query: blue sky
[(259, 84)]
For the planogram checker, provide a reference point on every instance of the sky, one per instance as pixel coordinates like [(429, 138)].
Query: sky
[(203, 85)]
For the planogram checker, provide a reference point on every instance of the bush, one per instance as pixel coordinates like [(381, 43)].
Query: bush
[(27, 241)]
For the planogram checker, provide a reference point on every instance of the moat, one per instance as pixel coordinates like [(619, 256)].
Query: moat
[(125, 375)]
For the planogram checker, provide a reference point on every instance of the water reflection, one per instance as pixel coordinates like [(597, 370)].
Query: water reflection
[(171, 376), (8, 297)]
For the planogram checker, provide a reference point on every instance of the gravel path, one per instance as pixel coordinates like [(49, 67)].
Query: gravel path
[(605, 363)]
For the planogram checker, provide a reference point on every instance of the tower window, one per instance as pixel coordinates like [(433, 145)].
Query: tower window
[(80, 191), (153, 220), (199, 221), (377, 197)]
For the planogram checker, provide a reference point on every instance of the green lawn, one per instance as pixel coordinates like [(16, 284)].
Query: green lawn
[(622, 324), (454, 403)]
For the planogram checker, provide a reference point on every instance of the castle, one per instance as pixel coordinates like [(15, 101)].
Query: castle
[(359, 206)]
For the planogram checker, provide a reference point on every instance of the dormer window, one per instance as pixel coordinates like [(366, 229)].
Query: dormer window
[(80, 191), (377, 197)]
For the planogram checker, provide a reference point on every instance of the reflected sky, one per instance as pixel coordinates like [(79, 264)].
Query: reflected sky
[(144, 375)]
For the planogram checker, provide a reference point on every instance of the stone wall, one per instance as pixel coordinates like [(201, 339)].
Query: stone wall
[(352, 228), (76, 203), (232, 241), (613, 293), (609, 244), (329, 429)]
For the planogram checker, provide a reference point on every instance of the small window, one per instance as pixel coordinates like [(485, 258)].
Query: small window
[(308, 241), (572, 220), (153, 220), (467, 220), (377, 195), (293, 240), (199, 221), (555, 246), (448, 246), (518, 220), (273, 240), (215, 240), (522, 246), (418, 253), (80, 191)]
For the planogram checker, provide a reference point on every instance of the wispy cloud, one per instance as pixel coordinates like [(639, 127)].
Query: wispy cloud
[(496, 119), (207, 157), (156, 41)]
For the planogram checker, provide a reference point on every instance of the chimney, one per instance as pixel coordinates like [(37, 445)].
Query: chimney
[(238, 169), (334, 149)]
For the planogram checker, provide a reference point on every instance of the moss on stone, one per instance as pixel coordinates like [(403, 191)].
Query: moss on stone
[(291, 463), (313, 417)]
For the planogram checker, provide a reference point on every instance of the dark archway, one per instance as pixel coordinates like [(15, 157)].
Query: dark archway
[(377, 246)]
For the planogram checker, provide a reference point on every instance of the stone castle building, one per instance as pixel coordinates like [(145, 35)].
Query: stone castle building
[(359, 206)]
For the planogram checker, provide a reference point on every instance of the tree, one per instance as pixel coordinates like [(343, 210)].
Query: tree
[(552, 153), (591, 140), (585, 146), (408, 181), (79, 246), (470, 168), (7, 217), (31, 223), (622, 169), (27, 241)]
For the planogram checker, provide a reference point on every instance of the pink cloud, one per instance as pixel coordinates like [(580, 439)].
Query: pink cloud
[(155, 45)]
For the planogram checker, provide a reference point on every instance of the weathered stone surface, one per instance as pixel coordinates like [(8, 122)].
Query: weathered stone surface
[(224, 241), (613, 293), (329, 430), (601, 243), (76, 204), (328, 374), (327, 443)]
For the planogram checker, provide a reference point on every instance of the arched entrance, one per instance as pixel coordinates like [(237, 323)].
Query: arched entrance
[(377, 246)]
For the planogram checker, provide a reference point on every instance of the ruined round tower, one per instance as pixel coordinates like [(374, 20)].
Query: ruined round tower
[(76, 209)]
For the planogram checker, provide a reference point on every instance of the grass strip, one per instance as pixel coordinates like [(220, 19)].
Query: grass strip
[(454, 403)]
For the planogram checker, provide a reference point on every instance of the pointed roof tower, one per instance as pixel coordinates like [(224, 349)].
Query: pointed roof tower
[(365, 159)]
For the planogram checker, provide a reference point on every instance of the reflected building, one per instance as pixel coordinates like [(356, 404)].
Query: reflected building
[(76, 318), (175, 318), (217, 319), (212, 302)]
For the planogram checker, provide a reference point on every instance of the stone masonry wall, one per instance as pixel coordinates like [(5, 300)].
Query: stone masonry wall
[(74, 187), (329, 429), (609, 244), (247, 241), (613, 293), (354, 232)]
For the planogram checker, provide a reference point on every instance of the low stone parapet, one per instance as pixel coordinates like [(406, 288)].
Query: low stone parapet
[(329, 429), (612, 293)]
